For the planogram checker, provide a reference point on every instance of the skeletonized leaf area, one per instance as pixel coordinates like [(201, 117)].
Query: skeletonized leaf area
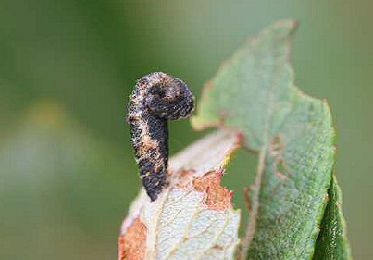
[(193, 218)]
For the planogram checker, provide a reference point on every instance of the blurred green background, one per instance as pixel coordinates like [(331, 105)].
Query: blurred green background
[(67, 68)]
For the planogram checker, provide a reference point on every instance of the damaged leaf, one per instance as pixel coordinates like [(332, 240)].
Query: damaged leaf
[(254, 92), (191, 219)]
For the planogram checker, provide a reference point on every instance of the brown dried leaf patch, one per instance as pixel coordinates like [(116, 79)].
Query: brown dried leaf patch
[(131, 245), (217, 197)]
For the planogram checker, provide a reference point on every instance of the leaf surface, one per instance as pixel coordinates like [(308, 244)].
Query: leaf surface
[(332, 242), (193, 218), (254, 92)]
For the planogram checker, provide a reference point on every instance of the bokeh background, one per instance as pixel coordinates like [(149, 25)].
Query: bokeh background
[(67, 174)]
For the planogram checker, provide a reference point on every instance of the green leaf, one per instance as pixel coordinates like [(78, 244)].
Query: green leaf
[(292, 132), (332, 242)]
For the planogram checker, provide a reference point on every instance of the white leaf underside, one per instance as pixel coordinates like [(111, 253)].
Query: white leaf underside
[(179, 224)]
